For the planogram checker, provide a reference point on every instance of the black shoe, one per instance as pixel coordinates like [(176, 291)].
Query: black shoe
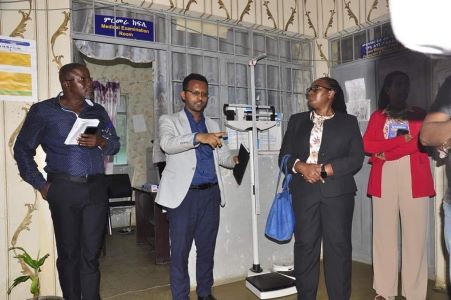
[(209, 297)]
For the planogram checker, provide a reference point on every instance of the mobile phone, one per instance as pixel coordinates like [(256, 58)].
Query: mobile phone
[(402, 132), (90, 130)]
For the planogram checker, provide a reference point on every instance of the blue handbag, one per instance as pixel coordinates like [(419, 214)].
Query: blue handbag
[(280, 222)]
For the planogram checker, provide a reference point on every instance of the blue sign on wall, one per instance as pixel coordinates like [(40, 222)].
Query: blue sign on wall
[(379, 47), (128, 28)]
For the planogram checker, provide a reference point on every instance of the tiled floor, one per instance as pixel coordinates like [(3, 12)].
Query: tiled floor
[(129, 273)]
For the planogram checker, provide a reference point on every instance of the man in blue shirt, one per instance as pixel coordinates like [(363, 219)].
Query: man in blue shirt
[(75, 187), (191, 187)]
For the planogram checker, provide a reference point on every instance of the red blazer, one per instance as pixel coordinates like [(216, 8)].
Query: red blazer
[(374, 142)]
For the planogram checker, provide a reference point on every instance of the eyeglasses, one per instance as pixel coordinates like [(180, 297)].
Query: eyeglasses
[(80, 79), (314, 88), (198, 93)]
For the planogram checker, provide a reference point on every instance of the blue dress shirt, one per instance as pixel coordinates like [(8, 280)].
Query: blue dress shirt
[(47, 124), (205, 167)]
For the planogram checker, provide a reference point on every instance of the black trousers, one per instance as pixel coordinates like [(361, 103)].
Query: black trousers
[(79, 214), (328, 219)]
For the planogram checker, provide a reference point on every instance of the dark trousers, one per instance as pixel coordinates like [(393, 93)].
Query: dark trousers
[(79, 214), (197, 218), (329, 219)]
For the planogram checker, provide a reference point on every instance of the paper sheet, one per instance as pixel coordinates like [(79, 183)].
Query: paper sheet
[(139, 123), (78, 128), (355, 89)]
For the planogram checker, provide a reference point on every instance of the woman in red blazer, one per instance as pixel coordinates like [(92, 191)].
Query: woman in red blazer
[(400, 184)]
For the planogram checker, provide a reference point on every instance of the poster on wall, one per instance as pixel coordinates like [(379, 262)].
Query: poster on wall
[(18, 71)]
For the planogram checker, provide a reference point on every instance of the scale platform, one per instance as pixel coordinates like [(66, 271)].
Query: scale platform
[(272, 285)]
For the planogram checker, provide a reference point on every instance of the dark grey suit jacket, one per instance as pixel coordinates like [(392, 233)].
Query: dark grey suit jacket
[(341, 146)]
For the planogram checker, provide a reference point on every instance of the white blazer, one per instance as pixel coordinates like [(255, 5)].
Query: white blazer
[(176, 140)]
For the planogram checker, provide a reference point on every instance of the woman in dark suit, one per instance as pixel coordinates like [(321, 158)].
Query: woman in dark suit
[(326, 150)]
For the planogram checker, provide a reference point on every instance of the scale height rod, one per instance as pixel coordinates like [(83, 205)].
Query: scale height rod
[(254, 168)]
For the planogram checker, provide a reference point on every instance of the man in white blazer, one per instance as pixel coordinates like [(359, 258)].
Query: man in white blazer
[(191, 187)]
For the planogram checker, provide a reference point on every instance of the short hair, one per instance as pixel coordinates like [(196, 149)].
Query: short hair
[(66, 69), (193, 76), (383, 99), (338, 103)]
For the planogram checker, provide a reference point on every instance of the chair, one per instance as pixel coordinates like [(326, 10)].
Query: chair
[(119, 186)]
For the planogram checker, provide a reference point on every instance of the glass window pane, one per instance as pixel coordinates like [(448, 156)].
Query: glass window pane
[(211, 69), (284, 49), (386, 30), (210, 36), (359, 40), (274, 100), (260, 98), (237, 96), (286, 79), (298, 85), (307, 54), (260, 76), (289, 105), (273, 77), (242, 96), (194, 64), (194, 34), (300, 101), (160, 29), (212, 109), (241, 75), (259, 44), (231, 98), (301, 80), (242, 46), (177, 102), (226, 40), (377, 32), (335, 52), (306, 79), (347, 49), (178, 31), (272, 51), (82, 19), (231, 74), (178, 66), (296, 52)]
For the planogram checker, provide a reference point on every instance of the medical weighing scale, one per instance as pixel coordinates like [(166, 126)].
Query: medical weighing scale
[(250, 118)]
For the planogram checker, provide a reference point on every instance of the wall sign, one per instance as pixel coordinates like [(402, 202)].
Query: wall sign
[(379, 47), (18, 72), (128, 28)]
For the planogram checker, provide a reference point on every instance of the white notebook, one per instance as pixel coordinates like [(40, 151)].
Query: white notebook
[(78, 128)]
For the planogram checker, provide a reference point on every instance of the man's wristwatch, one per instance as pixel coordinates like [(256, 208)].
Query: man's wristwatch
[(323, 171)]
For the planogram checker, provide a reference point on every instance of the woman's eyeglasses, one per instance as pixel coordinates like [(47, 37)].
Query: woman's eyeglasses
[(314, 88), (198, 93)]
